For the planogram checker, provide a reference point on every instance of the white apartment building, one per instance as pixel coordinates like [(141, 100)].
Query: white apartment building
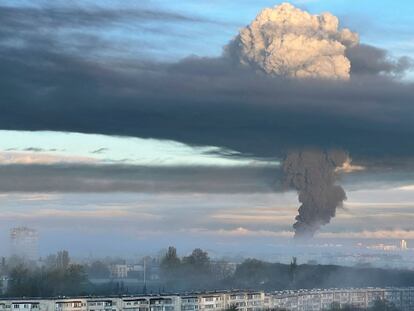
[(246, 301), (102, 305), (151, 303), (317, 300), (189, 303), (213, 301), (119, 271), (298, 300), (71, 305)]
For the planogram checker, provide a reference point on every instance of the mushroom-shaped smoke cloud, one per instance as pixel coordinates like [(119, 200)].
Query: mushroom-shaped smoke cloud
[(286, 41), (313, 174), (289, 42)]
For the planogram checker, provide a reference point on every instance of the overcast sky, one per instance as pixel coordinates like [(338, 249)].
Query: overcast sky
[(124, 121)]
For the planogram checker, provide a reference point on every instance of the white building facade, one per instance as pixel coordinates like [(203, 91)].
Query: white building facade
[(299, 300)]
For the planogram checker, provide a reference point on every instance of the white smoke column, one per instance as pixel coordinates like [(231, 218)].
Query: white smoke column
[(289, 42), (313, 173)]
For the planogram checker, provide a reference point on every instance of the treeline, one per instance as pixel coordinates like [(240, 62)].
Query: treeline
[(59, 276), (257, 274), (193, 272)]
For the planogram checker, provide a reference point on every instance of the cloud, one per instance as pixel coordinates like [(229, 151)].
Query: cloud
[(9, 158), (206, 101), (75, 177), (34, 149), (379, 234), (406, 188), (99, 151), (75, 17), (96, 30), (254, 216), (243, 232), (371, 60), (287, 41)]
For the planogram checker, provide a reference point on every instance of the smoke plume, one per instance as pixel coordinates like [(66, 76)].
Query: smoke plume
[(289, 42), (313, 174)]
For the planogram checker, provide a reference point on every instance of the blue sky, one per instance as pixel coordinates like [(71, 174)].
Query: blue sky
[(217, 221), (385, 24), (59, 147)]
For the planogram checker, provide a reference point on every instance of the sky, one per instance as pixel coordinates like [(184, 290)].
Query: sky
[(125, 128)]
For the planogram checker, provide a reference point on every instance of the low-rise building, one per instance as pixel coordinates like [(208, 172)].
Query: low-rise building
[(293, 300)]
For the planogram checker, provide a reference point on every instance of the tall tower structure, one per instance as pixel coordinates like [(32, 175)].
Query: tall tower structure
[(24, 243)]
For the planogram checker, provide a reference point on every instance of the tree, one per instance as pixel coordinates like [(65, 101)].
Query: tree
[(170, 259), (20, 282), (198, 260), (170, 263), (62, 260), (293, 269), (98, 269)]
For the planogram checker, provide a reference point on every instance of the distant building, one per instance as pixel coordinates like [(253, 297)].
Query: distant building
[(403, 245), (119, 271), (4, 283), (24, 243), (384, 247)]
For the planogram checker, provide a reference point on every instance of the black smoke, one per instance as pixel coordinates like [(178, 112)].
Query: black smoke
[(313, 174)]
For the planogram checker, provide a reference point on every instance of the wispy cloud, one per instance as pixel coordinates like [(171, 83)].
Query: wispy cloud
[(380, 234), (100, 150), (36, 157)]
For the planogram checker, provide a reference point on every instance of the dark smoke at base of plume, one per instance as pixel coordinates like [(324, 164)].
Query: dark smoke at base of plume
[(313, 174)]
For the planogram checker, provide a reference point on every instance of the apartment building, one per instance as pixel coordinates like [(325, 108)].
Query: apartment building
[(246, 301), (102, 305), (323, 299), (211, 301), (189, 303), (298, 300)]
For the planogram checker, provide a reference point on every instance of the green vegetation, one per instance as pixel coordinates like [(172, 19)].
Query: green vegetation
[(192, 272), (59, 276)]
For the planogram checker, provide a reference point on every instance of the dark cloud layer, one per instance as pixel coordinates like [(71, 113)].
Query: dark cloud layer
[(123, 178), (205, 101), (368, 59), (23, 17), (78, 178)]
